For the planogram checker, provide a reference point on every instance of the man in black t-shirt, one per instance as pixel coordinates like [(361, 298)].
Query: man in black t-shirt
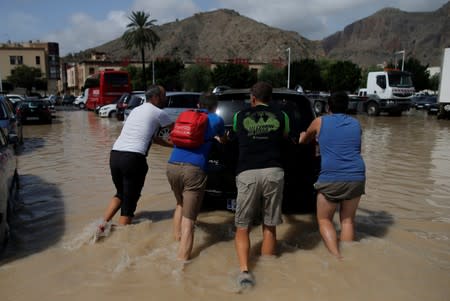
[(260, 130)]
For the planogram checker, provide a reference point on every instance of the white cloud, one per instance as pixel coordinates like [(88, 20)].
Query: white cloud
[(85, 32), (166, 11)]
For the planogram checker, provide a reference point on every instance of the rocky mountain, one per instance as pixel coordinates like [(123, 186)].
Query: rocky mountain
[(221, 35), (224, 35), (374, 39)]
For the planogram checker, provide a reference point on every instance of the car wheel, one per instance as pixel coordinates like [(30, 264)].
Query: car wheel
[(373, 109), (82, 106), (318, 107), (112, 114), (164, 133)]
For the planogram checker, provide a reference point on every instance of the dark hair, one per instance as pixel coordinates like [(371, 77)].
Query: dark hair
[(338, 102), (262, 91), (152, 91), (207, 101)]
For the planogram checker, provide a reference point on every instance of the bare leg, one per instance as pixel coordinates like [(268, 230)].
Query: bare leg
[(325, 213), (269, 240), (112, 209), (242, 244), (177, 222), (125, 220), (347, 217), (187, 238)]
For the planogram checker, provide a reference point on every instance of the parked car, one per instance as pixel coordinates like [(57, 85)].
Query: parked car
[(123, 103), (133, 102), (422, 102), (80, 101), (9, 119), (9, 181), (34, 110), (68, 100), (433, 106), (108, 110), (14, 98), (301, 164), (220, 89)]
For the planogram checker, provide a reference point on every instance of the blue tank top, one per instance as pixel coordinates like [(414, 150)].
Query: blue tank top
[(199, 156), (340, 148)]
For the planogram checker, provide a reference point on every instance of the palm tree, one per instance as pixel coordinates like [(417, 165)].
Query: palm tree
[(140, 35)]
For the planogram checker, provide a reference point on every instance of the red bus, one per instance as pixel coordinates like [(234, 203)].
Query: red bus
[(106, 86)]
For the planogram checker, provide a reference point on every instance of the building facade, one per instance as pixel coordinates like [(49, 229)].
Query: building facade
[(44, 56)]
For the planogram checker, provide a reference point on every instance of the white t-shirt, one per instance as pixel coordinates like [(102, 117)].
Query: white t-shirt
[(139, 128)]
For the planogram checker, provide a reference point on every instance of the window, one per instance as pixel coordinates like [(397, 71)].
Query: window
[(19, 60), (91, 70), (12, 59), (38, 60)]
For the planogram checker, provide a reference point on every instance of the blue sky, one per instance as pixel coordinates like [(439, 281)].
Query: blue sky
[(78, 25)]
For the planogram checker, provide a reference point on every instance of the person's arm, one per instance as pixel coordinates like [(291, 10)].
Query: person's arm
[(161, 141), (311, 132)]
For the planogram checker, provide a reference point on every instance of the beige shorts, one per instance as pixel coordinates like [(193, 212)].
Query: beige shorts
[(188, 184), (260, 193)]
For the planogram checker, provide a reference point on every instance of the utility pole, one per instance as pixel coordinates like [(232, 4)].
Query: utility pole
[(289, 66), (403, 58)]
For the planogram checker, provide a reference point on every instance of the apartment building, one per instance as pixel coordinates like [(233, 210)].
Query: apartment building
[(44, 56)]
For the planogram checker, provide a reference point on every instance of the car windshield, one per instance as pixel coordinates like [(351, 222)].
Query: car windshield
[(38, 104), (135, 101), (399, 79)]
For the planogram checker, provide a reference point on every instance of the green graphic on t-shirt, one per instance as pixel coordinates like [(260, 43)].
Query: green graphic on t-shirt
[(260, 123)]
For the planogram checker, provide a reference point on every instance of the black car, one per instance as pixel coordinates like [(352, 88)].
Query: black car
[(423, 102), (301, 164), (35, 110), (122, 103)]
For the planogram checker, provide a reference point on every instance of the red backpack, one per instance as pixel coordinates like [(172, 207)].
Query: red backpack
[(189, 129)]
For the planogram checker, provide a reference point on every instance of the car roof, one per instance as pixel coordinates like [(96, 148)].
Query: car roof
[(171, 93)]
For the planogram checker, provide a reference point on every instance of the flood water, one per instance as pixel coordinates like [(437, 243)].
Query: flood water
[(402, 250)]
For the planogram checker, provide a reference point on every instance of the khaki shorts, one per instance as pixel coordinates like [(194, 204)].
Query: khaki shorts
[(340, 191), (260, 193), (188, 184)]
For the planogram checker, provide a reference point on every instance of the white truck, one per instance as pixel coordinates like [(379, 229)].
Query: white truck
[(444, 87), (80, 101), (387, 91)]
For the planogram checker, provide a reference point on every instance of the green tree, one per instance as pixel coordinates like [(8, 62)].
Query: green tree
[(233, 75), (168, 73), (365, 72), (196, 78), (26, 77), (140, 35), (306, 73), (434, 82), (419, 74), (273, 75), (343, 76), (135, 76)]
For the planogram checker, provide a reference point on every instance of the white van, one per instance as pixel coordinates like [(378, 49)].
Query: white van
[(80, 101)]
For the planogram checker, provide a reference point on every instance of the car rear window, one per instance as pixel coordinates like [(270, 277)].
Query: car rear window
[(34, 104)]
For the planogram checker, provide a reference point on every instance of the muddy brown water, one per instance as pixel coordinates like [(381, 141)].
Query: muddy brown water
[(402, 250)]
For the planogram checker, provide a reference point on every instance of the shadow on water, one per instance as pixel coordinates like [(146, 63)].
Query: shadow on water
[(215, 233), (154, 216), (31, 144), (37, 221), (371, 223)]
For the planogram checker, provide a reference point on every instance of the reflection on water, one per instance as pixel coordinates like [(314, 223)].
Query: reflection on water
[(402, 250)]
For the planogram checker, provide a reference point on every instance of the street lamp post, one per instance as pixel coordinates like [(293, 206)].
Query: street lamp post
[(403, 58), (289, 66)]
